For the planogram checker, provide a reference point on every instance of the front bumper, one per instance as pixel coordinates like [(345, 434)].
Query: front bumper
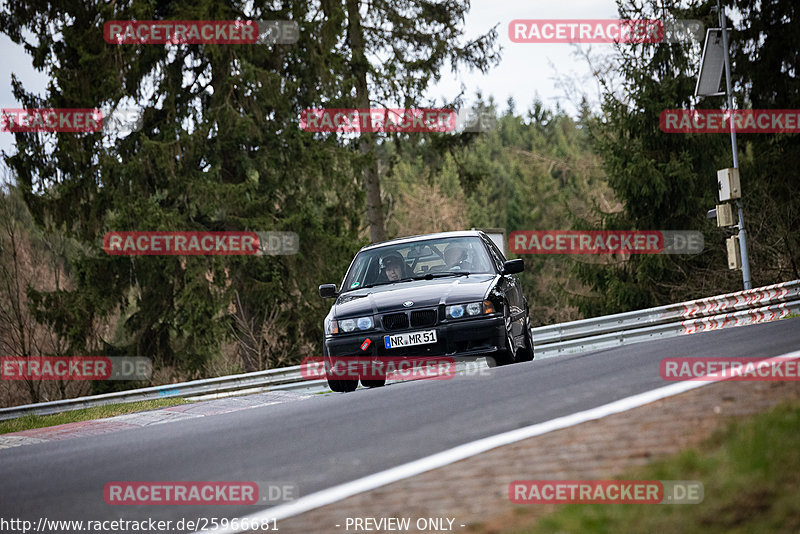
[(467, 338)]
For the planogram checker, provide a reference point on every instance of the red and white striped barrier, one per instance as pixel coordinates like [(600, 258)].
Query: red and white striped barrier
[(759, 305), (737, 301), (740, 318)]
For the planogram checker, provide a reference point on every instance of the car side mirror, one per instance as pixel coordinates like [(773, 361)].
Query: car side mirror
[(513, 266), (328, 291)]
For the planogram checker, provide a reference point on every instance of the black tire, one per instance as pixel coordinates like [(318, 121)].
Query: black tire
[(525, 354), (337, 385), (498, 359), (342, 386), (504, 356), (373, 383)]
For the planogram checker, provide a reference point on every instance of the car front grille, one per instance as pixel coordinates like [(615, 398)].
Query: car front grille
[(419, 318), (423, 317), (395, 321)]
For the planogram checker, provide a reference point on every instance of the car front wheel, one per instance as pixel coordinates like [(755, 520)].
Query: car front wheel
[(505, 355), (342, 386), (525, 354), (337, 385), (373, 383)]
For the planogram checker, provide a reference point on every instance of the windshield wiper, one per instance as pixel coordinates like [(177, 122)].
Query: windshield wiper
[(387, 283), (431, 276), (428, 276)]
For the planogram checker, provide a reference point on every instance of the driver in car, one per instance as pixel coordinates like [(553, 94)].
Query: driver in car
[(455, 256), (393, 267)]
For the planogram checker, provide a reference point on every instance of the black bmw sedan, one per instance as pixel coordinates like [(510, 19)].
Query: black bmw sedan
[(449, 294)]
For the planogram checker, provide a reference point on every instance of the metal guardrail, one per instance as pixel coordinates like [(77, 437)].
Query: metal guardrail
[(761, 304), (285, 378), (282, 379), (756, 305)]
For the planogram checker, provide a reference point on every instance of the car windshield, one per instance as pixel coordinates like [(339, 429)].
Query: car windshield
[(420, 259)]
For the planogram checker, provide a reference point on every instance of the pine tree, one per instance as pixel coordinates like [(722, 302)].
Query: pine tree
[(219, 149)]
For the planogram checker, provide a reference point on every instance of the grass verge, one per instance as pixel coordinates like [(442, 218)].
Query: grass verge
[(29, 422), (750, 471)]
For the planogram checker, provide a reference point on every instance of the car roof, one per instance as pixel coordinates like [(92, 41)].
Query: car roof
[(424, 237)]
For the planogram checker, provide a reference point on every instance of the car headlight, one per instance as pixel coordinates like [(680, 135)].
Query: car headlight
[(455, 312), (331, 327), (471, 309), (351, 325)]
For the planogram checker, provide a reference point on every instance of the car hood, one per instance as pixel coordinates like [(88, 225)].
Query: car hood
[(423, 293)]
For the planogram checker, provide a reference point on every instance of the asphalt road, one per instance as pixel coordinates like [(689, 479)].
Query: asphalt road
[(335, 438)]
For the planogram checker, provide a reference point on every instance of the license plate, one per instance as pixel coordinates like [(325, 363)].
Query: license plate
[(409, 339)]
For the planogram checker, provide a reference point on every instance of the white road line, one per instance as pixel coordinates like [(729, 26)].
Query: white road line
[(441, 459)]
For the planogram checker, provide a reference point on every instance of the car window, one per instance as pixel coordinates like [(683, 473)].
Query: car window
[(497, 256), (446, 255), (358, 271)]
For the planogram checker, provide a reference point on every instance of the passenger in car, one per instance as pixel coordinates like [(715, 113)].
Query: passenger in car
[(393, 267), (455, 255)]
